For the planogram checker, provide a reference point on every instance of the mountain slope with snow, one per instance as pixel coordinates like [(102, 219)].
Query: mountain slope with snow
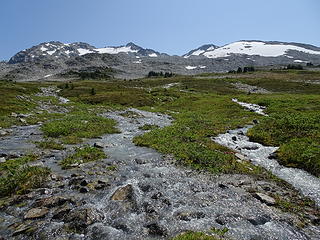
[(255, 48), (58, 50), (201, 50)]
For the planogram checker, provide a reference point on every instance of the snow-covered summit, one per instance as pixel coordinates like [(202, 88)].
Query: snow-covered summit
[(258, 48), (201, 50), (58, 50)]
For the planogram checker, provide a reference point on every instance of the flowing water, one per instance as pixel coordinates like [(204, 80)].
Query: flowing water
[(147, 196), (237, 140)]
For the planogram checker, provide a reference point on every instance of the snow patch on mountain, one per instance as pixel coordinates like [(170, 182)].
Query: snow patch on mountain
[(116, 50), (255, 48)]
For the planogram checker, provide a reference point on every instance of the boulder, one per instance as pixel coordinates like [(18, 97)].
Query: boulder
[(123, 193), (80, 219), (61, 212), (52, 201), (36, 213)]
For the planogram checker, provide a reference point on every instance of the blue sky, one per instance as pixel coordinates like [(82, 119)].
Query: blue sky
[(172, 26)]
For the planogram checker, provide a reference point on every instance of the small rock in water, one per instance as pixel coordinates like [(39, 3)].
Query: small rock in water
[(36, 213), (265, 198), (156, 230), (60, 213), (252, 147), (234, 138), (140, 161), (255, 121), (83, 190), (240, 156), (22, 120), (52, 201), (3, 133), (84, 183), (123, 193), (80, 219), (99, 145)]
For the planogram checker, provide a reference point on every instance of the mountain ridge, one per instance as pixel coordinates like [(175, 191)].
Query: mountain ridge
[(131, 61), (66, 50)]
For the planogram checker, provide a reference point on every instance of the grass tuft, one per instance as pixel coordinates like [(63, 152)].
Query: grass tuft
[(82, 155)]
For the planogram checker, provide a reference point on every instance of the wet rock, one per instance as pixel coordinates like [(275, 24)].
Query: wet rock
[(99, 145), (252, 147), (255, 121), (156, 230), (22, 229), (80, 219), (234, 138), (156, 195), (36, 213), (52, 201), (61, 212), (265, 198), (3, 133), (220, 185), (240, 156), (22, 120), (123, 193), (83, 190), (83, 183), (76, 180), (148, 208), (121, 226), (223, 219), (273, 156), (259, 220), (145, 187), (140, 161), (188, 216)]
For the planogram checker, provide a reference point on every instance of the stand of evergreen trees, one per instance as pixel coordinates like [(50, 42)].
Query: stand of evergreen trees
[(295, 67), (244, 70), (160, 74)]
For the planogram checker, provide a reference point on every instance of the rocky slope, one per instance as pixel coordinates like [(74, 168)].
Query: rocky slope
[(132, 61)]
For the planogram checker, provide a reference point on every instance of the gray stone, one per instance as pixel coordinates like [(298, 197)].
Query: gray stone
[(240, 156), (3, 132), (99, 145), (265, 198), (36, 213), (22, 120), (123, 193)]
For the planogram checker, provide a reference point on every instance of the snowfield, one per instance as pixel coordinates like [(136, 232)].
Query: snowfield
[(252, 48)]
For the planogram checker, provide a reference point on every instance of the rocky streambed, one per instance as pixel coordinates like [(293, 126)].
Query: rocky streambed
[(138, 193), (261, 155)]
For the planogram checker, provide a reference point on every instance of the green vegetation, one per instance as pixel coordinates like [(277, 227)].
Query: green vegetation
[(50, 144), (202, 108), (78, 124), (195, 236), (147, 127), (82, 155), (294, 125), (220, 232), (18, 178), (10, 102)]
